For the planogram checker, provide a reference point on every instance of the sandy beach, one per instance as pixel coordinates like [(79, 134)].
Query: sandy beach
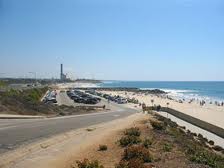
[(209, 112)]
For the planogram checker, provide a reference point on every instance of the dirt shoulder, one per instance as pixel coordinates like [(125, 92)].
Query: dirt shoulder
[(62, 150), (157, 143), (152, 142)]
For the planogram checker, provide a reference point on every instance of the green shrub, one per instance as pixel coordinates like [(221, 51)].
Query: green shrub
[(157, 125), (88, 164), (11, 93), (147, 143), (122, 164), (204, 157), (167, 147), (211, 142), (137, 152), (218, 148), (200, 155), (3, 84), (195, 151), (129, 140), (200, 136), (90, 129), (133, 131), (32, 95), (102, 147), (133, 163), (136, 163)]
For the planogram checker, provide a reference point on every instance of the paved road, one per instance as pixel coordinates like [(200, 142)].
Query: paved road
[(16, 132)]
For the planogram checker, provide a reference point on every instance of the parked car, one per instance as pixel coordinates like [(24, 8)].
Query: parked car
[(81, 97), (117, 99)]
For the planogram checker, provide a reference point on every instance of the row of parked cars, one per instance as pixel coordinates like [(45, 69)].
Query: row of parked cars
[(50, 97), (81, 97), (116, 99)]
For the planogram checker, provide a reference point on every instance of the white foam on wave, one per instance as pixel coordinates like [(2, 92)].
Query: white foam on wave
[(177, 93), (170, 90), (107, 82), (185, 94)]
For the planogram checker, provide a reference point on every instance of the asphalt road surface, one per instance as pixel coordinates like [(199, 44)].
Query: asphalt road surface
[(16, 132)]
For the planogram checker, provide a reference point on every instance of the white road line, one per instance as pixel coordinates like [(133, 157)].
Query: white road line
[(80, 115), (7, 127)]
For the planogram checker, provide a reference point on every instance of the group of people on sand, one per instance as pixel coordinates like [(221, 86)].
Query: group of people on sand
[(202, 103), (219, 104)]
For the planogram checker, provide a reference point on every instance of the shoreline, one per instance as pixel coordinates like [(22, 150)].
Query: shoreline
[(202, 90), (209, 112)]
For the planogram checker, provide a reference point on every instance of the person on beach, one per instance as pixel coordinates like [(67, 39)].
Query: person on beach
[(143, 107), (202, 103)]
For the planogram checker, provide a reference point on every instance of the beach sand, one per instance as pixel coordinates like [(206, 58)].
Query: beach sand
[(209, 112)]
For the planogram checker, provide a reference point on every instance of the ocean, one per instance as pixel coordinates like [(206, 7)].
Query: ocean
[(208, 91)]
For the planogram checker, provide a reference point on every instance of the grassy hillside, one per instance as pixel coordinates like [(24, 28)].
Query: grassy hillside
[(28, 102), (22, 102)]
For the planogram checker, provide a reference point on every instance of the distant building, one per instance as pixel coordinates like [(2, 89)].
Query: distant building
[(62, 75)]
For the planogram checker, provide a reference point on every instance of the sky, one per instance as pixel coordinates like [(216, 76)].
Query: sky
[(146, 40)]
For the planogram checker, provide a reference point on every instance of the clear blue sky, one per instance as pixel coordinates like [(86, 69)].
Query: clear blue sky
[(113, 39)]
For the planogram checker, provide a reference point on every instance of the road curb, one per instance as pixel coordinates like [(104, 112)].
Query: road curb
[(18, 117)]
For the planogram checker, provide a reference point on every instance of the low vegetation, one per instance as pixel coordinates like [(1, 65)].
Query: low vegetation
[(90, 129), (88, 164), (28, 102), (137, 152), (23, 101), (129, 140), (147, 143), (167, 147), (133, 132), (196, 151), (102, 147), (30, 95), (157, 125), (3, 84), (143, 147)]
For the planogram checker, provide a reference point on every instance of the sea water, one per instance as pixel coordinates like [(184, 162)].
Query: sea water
[(208, 91)]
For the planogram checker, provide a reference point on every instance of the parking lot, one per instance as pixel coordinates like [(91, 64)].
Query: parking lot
[(82, 97), (64, 99), (116, 99)]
